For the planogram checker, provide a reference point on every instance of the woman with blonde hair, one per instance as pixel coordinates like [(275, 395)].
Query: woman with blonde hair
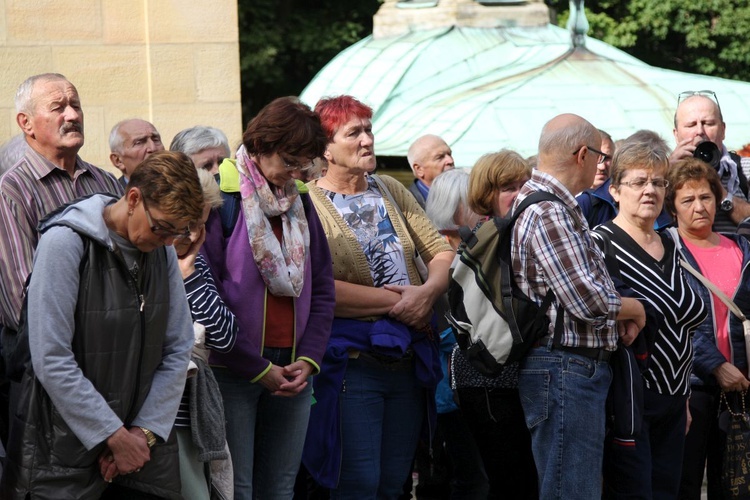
[(491, 406), (205, 464)]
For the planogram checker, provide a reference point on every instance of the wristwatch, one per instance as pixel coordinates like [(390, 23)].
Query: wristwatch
[(150, 437), (726, 205)]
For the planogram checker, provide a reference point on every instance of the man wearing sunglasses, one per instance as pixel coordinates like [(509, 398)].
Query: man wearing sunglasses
[(698, 119)]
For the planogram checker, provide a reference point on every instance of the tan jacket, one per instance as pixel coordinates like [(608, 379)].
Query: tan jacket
[(349, 261)]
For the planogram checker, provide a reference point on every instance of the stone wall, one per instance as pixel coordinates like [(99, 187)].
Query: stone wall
[(394, 18), (174, 63)]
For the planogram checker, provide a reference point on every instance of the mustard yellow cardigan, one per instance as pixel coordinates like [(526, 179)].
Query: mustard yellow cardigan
[(349, 261)]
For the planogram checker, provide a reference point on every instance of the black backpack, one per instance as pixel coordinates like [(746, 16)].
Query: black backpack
[(493, 321)]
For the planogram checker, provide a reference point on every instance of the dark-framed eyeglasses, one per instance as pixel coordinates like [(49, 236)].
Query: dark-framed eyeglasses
[(704, 93), (641, 183), (602, 156), (162, 228)]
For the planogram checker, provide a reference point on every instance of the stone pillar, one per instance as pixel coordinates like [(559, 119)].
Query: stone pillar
[(396, 18)]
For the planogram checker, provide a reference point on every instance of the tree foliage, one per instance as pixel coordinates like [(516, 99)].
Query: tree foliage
[(710, 37), (284, 43)]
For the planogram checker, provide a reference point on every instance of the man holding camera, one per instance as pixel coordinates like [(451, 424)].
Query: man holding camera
[(698, 119)]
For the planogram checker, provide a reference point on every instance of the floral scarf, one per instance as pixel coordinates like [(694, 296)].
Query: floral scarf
[(281, 265)]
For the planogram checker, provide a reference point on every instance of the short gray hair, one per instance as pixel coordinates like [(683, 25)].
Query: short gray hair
[(23, 94), (449, 194), (638, 154), (195, 139), (417, 150), (116, 140), (653, 139)]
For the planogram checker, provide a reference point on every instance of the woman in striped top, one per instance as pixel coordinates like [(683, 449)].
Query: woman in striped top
[(649, 465), (218, 329)]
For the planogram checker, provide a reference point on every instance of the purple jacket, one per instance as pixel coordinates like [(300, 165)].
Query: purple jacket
[(241, 287)]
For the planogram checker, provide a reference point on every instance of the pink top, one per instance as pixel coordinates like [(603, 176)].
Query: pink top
[(721, 264)]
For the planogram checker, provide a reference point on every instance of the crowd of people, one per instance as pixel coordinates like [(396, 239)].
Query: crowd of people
[(270, 323)]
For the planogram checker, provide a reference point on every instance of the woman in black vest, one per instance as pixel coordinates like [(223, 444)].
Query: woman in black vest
[(110, 335)]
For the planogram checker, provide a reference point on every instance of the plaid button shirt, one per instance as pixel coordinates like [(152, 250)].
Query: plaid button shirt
[(552, 248)]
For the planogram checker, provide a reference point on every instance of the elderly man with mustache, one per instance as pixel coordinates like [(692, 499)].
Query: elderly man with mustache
[(49, 174)]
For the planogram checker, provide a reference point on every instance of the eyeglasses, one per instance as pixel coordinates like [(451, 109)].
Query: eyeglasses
[(602, 156), (295, 165), (704, 93), (162, 231), (640, 184)]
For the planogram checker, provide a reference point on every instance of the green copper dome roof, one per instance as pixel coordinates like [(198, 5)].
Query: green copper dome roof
[(483, 89)]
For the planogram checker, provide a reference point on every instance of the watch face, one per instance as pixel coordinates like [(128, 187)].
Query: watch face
[(727, 205)]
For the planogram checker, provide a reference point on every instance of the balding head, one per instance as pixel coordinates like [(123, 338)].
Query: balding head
[(698, 118), (130, 142), (564, 151), (428, 157)]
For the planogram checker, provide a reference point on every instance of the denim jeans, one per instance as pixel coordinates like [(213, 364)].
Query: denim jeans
[(265, 433), (382, 411), (563, 397)]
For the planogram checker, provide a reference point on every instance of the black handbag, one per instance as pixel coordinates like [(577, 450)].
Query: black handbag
[(735, 468)]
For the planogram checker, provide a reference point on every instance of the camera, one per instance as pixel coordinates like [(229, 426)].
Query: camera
[(709, 152)]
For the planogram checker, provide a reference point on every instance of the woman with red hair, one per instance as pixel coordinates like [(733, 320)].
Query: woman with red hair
[(381, 364)]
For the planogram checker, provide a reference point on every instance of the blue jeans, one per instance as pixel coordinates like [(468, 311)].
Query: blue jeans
[(265, 433), (563, 397), (382, 411)]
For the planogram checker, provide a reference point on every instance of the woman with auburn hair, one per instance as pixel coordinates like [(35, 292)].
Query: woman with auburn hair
[(720, 358), (491, 406), (272, 267), (381, 364)]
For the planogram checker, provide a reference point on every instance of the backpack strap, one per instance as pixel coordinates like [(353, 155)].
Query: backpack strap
[(229, 185), (532, 199), (740, 173)]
